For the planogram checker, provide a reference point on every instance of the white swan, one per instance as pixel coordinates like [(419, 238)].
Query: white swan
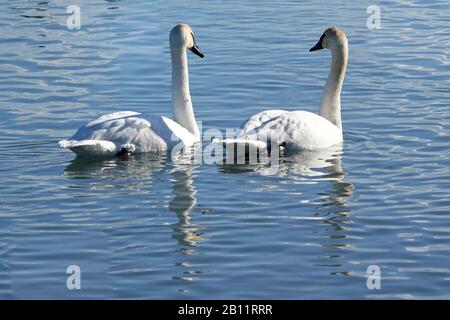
[(127, 132), (304, 130)]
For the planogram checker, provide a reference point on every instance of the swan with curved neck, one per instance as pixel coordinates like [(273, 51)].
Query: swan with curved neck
[(336, 41), (304, 130), (126, 132), (182, 37)]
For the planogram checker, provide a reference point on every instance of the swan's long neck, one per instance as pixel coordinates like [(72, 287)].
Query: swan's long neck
[(330, 106), (183, 112)]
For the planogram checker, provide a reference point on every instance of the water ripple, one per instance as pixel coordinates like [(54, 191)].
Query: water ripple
[(145, 227)]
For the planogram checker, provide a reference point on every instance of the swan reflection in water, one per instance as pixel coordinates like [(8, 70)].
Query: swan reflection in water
[(299, 168), (184, 231), (306, 169), (154, 169), (303, 167)]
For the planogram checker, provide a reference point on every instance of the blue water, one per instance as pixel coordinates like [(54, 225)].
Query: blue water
[(146, 227)]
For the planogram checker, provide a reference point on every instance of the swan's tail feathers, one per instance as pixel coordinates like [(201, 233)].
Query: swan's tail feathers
[(237, 149), (246, 143), (89, 147)]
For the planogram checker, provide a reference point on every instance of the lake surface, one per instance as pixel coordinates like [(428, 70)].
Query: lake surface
[(146, 227)]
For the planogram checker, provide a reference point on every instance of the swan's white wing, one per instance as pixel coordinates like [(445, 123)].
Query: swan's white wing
[(255, 121), (127, 129), (299, 130), (172, 132), (245, 137)]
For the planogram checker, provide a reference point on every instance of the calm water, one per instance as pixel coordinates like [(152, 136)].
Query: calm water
[(149, 228)]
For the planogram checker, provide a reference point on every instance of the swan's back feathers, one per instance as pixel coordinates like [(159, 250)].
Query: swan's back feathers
[(110, 117), (257, 120)]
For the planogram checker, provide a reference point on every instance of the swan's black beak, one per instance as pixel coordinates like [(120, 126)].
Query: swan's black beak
[(318, 45), (196, 50)]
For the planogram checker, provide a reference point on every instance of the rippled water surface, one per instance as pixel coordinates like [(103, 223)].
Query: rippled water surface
[(146, 227)]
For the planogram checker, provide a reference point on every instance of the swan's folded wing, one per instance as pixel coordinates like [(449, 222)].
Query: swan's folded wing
[(107, 119), (256, 121), (299, 130), (89, 147), (177, 133)]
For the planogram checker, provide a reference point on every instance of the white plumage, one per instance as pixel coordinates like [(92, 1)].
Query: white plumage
[(127, 132), (302, 130), (294, 130)]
